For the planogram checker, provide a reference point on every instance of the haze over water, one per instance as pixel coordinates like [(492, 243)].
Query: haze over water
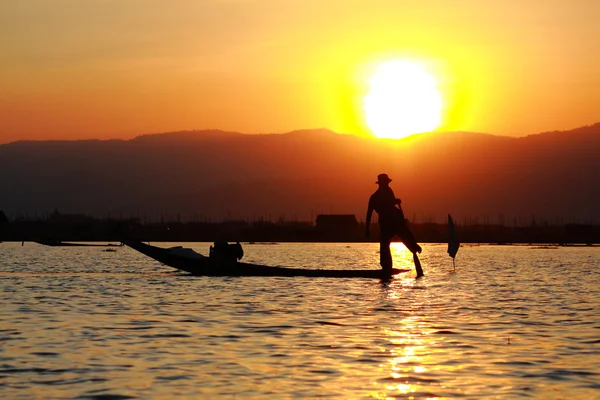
[(512, 322)]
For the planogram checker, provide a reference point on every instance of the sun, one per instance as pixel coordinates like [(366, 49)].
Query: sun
[(403, 99)]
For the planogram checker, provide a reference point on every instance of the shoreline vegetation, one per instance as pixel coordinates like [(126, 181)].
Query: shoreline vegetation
[(326, 228)]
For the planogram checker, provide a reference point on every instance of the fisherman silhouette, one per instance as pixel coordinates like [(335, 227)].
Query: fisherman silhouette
[(391, 223)]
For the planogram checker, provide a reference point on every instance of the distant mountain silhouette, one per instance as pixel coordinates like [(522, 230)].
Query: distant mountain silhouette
[(219, 175)]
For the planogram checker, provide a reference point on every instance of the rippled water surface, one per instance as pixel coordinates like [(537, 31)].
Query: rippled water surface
[(512, 322)]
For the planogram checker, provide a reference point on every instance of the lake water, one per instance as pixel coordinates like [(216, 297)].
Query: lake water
[(512, 322)]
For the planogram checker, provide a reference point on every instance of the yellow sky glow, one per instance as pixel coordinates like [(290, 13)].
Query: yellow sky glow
[(115, 69)]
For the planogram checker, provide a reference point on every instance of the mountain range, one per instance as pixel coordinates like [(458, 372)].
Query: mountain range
[(216, 175)]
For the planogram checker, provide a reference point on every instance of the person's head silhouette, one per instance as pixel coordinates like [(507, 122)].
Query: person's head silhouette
[(383, 180)]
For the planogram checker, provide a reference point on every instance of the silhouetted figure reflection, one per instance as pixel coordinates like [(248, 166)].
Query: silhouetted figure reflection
[(391, 223)]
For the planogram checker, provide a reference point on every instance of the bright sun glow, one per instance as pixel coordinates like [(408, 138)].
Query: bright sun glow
[(403, 100)]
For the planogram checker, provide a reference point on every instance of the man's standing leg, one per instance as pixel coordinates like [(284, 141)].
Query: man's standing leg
[(385, 254)]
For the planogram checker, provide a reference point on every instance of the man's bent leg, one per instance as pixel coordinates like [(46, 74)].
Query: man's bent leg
[(411, 244), (407, 237)]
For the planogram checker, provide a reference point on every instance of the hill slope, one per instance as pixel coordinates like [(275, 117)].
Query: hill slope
[(223, 175)]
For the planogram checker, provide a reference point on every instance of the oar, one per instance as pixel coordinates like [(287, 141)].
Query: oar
[(453, 243)]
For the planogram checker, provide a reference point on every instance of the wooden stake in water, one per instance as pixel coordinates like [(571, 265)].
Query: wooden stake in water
[(453, 243)]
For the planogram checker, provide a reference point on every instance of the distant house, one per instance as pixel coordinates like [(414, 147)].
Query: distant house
[(3, 219), (338, 223)]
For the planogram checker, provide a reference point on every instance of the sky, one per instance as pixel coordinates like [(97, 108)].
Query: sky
[(77, 69)]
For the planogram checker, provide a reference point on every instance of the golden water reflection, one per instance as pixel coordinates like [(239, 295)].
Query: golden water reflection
[(412, 364), (408, 356)]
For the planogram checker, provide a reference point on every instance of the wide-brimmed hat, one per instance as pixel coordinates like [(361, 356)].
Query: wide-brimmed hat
[(383, 178)]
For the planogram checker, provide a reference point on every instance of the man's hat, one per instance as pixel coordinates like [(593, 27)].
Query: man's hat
[(383, 178)]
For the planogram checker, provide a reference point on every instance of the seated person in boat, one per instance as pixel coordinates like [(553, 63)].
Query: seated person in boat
[(224, 252)]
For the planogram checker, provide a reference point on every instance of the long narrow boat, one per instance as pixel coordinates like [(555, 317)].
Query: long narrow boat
[(59, 243), (196, 264)]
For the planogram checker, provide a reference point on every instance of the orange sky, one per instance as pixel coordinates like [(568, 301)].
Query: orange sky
[(116, 69)]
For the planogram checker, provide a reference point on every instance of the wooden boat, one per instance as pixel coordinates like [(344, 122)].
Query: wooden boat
[(56, 243), (196, 264)]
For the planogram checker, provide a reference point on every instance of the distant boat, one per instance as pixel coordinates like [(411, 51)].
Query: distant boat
[(56, 243), (453, 243), (188, 260)]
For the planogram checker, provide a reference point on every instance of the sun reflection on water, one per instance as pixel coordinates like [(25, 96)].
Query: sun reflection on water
[(411, 355)]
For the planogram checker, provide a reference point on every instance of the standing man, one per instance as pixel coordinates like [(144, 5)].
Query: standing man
[(391, 223)]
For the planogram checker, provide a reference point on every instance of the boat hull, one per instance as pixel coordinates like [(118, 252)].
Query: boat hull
[(207, 267), (58, 243)]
